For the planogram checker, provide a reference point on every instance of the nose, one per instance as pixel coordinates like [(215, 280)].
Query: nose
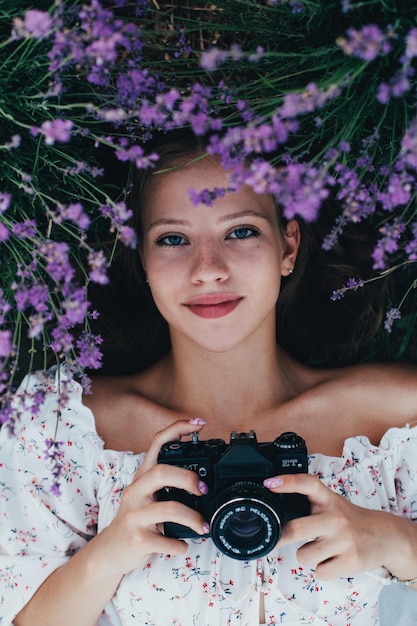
[(209, 265)]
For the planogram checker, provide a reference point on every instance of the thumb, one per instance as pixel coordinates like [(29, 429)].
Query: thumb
[(174, 432)]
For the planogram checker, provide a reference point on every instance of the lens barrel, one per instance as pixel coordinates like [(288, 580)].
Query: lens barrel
[(246, 522)]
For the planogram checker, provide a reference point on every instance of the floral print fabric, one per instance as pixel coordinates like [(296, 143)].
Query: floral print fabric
[(40, 530)]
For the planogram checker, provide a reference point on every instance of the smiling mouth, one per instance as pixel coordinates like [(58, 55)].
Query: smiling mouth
[(211, 307)]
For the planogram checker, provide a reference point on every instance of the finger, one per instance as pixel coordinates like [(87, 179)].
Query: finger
[(333, 568), (305, 529), (159, 476), (305, 484), (172, 511), (318, 551), (168, 545), (173, 432)]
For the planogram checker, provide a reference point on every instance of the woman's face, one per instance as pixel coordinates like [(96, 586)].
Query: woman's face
[(214, 272)]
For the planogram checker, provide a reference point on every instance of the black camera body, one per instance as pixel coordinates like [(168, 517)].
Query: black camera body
[(245, 517)]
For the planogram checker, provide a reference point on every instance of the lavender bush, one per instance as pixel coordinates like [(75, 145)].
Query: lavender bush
[(329, 85)]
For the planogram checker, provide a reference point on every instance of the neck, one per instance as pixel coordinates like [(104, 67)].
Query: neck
[(236, 384)]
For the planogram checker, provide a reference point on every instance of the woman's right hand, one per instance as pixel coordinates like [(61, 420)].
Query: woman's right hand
[(137, 530)]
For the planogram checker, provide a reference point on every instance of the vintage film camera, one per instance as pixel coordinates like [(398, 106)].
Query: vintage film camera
[(245, 518)]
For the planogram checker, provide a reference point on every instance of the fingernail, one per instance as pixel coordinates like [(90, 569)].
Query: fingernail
[(206, 528), (197, 421), (203, 487), (276, 481)]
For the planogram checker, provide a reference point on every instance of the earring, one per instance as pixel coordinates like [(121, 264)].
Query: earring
[(290, 270)]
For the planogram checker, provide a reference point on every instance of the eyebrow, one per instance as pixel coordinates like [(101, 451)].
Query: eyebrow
[(244, 213), (168, 221), (165, 221)]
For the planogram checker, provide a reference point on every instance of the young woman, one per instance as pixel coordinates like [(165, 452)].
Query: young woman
[(97, 553)]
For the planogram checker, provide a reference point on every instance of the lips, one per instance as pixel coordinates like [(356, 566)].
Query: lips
[(215, 305)]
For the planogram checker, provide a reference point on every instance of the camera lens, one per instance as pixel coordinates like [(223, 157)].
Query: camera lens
[(246, 523)]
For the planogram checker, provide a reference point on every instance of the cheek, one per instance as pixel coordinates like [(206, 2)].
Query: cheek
[(165, 280), (163, 272)]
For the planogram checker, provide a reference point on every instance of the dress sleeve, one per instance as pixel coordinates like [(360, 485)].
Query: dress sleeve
[(403, 441), (42, 526)]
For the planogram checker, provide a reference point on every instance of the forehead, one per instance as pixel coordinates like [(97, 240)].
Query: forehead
[(170, 191)]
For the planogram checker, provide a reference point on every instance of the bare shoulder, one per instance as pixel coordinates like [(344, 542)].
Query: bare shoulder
[(386, 392), (126, 417), (399, 376)]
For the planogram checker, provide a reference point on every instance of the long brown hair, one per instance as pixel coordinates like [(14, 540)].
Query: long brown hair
[(309, 324)]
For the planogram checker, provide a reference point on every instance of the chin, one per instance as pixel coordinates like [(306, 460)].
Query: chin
[(217, 346)]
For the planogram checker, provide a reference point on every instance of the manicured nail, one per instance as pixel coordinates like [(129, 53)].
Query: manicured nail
[(197, 421), (276, 481), (203, 487), (206, 528)]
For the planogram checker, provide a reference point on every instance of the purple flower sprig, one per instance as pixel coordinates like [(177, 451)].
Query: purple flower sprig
[(54, 454), (96, 45), (353, 284), (321, 101), (366, 43), (35, 23), (392, 314), (54, 130), (388, 243)]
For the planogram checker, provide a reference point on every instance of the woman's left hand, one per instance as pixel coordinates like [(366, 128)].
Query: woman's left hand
[(339, 538)]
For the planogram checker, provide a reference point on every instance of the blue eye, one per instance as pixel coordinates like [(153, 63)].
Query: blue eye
[(243, 232), (171, 241)]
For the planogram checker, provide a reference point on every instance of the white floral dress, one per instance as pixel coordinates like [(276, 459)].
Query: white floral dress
[(40, 530)]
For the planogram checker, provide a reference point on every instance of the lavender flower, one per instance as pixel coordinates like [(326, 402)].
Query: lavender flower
[(136, 155), (98, 267), (408, 152), (26, 229), (392, 315), (89, 354), (54, 454), (185, 48), (398, 191), (310, 99), (75, 307), (4, 233), (5, 307), (75, 213), (357, 200), (36, 24), (206, 196), (5, 343), (34, 294), (5, 200), (62, 340), (212, 58), (37, 323), (119, 214), (55, 130), (388, 243), (397, 86), (96, 45), (411, 44), (302, 190), (366, 43), (353, 284), (411, 247), (14, 142), (56, 255), (133, 84)]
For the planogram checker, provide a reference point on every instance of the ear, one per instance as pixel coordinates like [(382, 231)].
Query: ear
[(292, 239)]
